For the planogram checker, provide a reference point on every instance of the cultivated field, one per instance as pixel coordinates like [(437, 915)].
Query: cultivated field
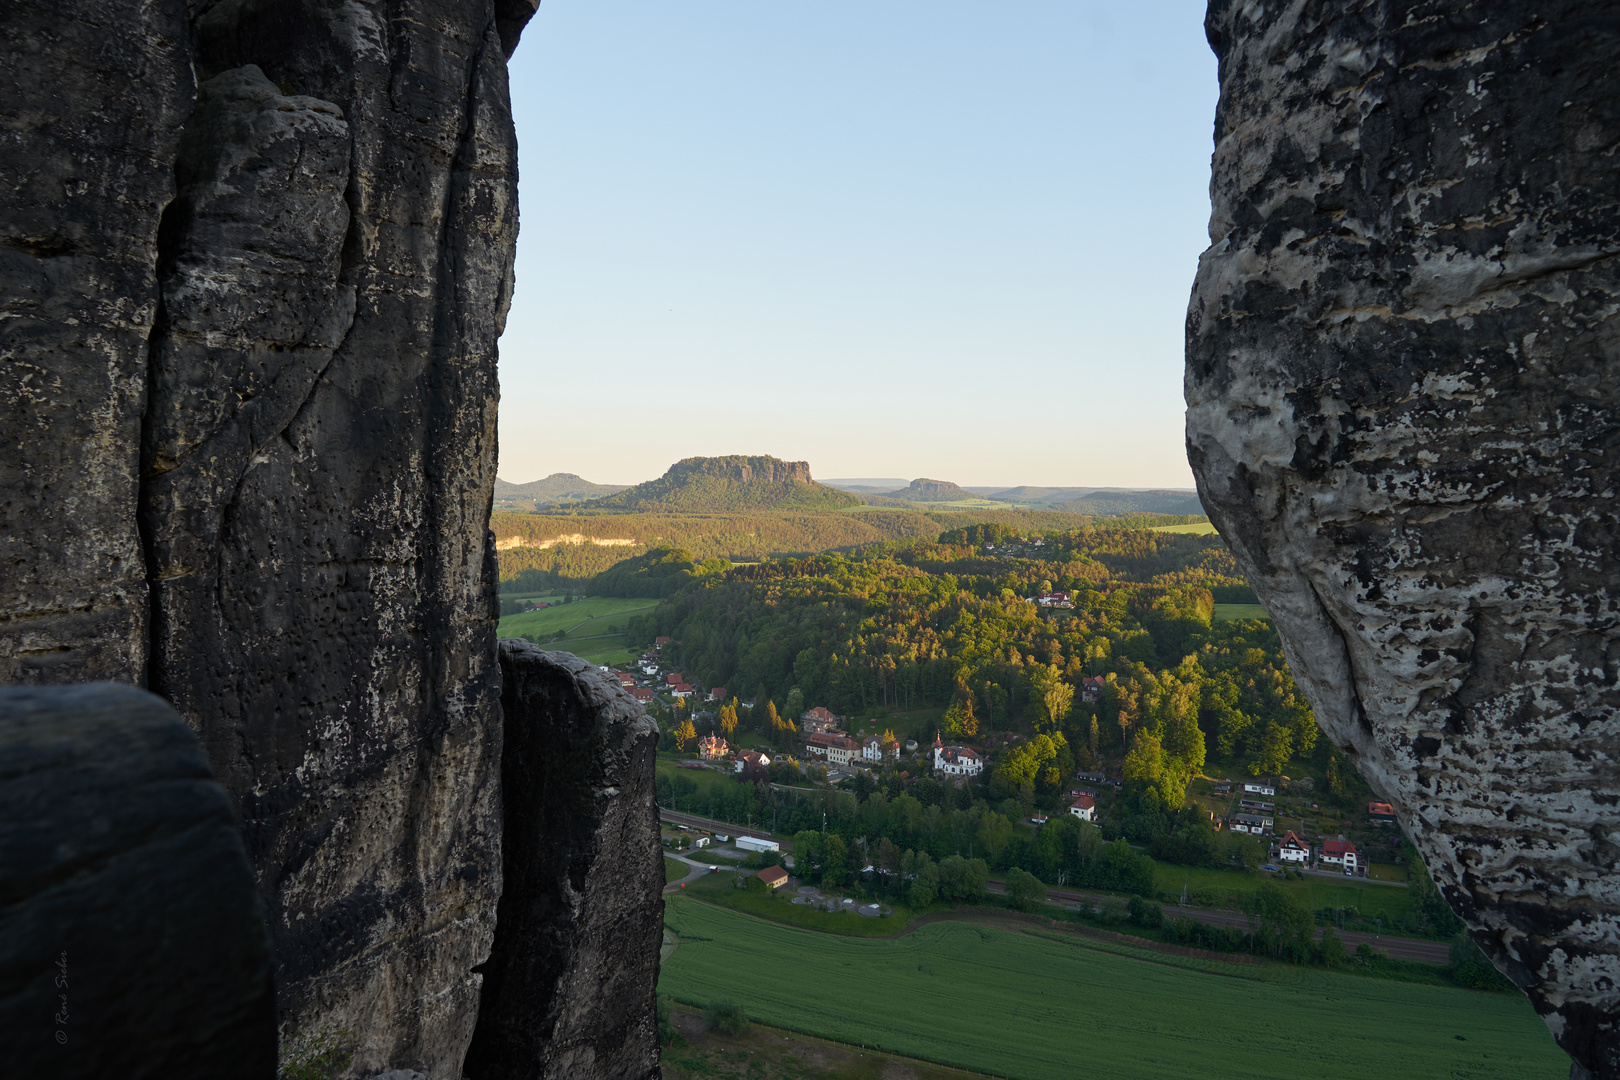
[(1038, 1006), (1197, 528)]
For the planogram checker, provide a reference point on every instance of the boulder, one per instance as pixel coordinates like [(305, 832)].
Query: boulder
[(1402, 350), (570, 984), (132, 937)]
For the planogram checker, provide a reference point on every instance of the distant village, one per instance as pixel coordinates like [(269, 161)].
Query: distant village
[(834, 755)]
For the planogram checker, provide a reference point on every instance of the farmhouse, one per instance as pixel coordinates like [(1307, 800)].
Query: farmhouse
[(1293, 849), (957, 760), (1084, 806), (712, 748), (1338, 852), (774, 877)]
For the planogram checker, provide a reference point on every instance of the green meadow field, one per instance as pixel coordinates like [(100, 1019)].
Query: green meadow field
[(1050, 1006), (592, 629), (1233, 612)]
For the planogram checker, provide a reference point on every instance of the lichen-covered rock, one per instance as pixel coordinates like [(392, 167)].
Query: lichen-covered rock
[(1402, 351), (132, 937), (570, 983)]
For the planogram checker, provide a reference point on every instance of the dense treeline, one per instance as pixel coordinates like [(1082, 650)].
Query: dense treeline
[(562, 552), (661, 572), (948, 624)]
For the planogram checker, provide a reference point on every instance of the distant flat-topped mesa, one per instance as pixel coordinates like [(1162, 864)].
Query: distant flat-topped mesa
[(926, 490), (1402, 411), (732, 483)]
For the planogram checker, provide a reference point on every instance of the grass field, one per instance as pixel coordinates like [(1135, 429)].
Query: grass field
[(674, 870), (1197, 528), (1373, 899), (592, 629), (1233, 612), (1050, 1006), (721, 889)]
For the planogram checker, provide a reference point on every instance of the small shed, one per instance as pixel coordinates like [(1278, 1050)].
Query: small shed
[(774, 877)]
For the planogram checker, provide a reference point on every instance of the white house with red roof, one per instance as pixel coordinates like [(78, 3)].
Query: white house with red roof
[(1339, 853), (750, 757), (642, 695), (1292, 849), (717, 693), (1084, 806), (957, 760), (837, 749)]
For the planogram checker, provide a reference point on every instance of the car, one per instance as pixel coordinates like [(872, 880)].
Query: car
[(1268, 866)]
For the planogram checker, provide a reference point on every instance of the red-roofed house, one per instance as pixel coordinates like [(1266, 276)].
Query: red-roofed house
[(774, 877), (1084, 806), (750, 757), (660, 642), (1381, 813), (642, 694), (626, 679), (1339, 852), (1292, 849), (718, 693), (1091, 689), (957, 760), (837, 749), (816, 720)]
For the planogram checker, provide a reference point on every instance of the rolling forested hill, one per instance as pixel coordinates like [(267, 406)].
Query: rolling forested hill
[(565, 551), (556, 488)]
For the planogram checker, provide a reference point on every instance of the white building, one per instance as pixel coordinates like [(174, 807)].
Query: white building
[(1339, 853), (872, 749), (1084, 806), (1260, 789), (755, 843), (1292, 849), (957, 760)]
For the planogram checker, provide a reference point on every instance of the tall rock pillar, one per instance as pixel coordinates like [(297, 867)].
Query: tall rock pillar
[(1403, 410)]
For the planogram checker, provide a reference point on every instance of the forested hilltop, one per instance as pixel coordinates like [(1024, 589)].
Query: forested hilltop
[(949, 623), (563, 552)]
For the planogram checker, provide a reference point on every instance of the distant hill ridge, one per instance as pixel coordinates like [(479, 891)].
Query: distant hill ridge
[(728, 484), (556, 488)]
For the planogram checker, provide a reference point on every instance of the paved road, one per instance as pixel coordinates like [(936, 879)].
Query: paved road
[(1401, 948)]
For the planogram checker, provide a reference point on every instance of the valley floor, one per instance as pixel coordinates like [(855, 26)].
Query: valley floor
[(1041, 1004)]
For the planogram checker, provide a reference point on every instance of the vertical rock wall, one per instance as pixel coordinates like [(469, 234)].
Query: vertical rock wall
[(569, 986), (1402, 362), (254, 258)]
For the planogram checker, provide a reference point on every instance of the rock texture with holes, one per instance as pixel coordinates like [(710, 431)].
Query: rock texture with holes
[(1402, 362), (254, 260), (569, 987)]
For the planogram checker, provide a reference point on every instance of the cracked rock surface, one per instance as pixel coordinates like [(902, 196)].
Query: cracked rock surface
[(570, 984), (254, 260), (1402, 354)]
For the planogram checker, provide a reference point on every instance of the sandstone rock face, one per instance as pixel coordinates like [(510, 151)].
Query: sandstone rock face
[(254, 258), (569, 989), (1402, 353), (132, 937)]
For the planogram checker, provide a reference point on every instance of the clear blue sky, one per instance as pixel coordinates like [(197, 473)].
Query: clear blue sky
[(888, 237)]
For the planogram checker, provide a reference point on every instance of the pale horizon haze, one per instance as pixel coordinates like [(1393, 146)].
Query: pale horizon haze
[(888, 238)]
